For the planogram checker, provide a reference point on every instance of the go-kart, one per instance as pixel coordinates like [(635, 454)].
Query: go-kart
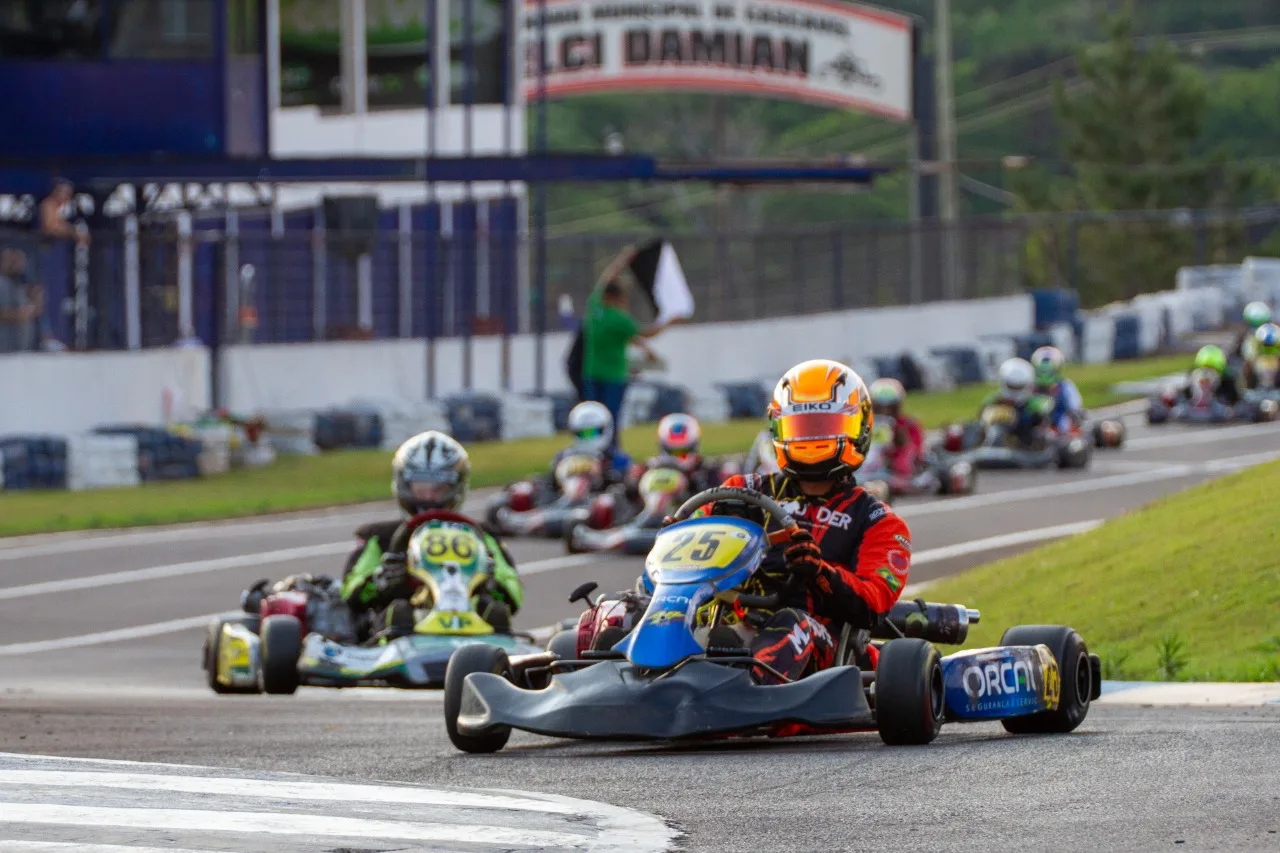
[(659, 488), (547, 508), (991, 443), (934, 475), (1198, 402), (676, 676), (302, 632)]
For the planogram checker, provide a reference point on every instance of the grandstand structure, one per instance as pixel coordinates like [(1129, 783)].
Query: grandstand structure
[(274, 171)]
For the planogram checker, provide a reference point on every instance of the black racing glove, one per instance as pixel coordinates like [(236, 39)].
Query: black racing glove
[(804, 557), (392, 573)]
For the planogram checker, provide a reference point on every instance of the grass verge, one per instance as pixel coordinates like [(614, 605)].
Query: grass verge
[(1187, 588), (355, 476)]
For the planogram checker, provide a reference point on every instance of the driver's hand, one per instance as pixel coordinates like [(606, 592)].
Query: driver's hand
[(668, 520), (803, 556), (393, 572)]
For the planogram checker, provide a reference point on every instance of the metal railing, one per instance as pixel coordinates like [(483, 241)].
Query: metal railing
[(258, 278)]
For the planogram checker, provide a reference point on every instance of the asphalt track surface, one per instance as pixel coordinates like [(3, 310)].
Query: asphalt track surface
[(100, 637)]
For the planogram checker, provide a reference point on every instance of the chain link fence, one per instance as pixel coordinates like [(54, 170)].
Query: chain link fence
[(283, 278)]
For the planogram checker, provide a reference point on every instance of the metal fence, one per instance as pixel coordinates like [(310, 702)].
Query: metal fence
[(283, 278)]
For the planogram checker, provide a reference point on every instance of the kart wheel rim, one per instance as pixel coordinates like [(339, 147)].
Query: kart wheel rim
[(1084, 680), (937, 693)]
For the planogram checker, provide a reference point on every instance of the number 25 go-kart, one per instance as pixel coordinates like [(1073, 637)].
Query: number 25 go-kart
[(305, 635), (665, 681)]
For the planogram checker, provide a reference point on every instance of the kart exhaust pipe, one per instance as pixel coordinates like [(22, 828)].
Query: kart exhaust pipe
[(938, 623)]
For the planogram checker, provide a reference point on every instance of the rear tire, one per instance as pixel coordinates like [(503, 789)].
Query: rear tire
[(212, 643), (476, 657), (1157, 413), (564, 645), (910, 697), (1075, 673), (280, 649)]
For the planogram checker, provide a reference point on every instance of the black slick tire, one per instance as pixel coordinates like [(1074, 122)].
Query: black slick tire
[(910, 697), (1075, 673), (281, 647), (475, 657)]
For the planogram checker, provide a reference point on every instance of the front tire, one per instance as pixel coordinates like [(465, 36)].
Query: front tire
[(571, 539), (212, 648), (280, 649), (476, 657), (1076, 678), (910, 698)]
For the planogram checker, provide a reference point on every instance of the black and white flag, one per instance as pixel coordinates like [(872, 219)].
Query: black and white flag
[(658, 271)]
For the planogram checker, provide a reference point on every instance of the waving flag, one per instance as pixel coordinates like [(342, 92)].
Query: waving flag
[(657, 269)]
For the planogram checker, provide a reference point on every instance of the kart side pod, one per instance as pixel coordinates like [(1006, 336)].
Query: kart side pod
[(1009, 681)]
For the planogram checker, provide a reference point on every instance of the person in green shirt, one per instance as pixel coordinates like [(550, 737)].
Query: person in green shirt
[(607, 330)]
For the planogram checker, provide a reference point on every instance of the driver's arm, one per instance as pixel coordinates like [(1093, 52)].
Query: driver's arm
[(876, 574)]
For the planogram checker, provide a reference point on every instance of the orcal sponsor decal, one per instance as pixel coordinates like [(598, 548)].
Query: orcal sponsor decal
[(900, 562), (903, 541), (675, 601), (1001, 685)]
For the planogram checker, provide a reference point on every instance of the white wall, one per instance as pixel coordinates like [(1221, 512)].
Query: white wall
[(272, 377), (286, 376), (66, 393)]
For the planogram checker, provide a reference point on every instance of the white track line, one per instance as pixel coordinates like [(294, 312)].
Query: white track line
[(949, 552), (1178, 435), (175, 570)]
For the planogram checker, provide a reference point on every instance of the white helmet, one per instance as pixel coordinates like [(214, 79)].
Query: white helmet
[(1017, 379), (591, 425)]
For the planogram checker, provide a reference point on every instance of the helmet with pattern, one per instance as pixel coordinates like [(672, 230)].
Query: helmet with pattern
[(591, 425), (430, 471), (1267, 340), (680, 437), (1048, 362), (887, 396), (820, 419)]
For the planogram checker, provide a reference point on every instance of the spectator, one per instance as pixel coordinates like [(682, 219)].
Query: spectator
[(20, 305), (607, 330), (52, 215)]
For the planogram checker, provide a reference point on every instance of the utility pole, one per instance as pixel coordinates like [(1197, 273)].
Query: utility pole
[(949, 190)]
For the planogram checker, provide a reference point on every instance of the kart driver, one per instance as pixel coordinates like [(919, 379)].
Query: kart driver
[(1266, 345), (429, 471), (1017, 391), (903, 455), (592, 429), (1256, 315), (680, 441), (1068, 405), (1212, 359), (849, 563)]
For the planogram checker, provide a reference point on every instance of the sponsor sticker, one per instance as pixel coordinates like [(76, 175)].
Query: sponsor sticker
[(903, 541), (877, 513), (899, 561)]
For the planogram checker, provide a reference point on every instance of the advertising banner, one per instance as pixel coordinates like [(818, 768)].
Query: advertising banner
[(835, 54)]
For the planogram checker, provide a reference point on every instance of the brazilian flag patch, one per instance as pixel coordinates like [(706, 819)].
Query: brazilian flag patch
[(890, 578)]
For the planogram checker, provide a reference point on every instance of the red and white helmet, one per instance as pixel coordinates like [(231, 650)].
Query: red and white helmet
[(680, 437)]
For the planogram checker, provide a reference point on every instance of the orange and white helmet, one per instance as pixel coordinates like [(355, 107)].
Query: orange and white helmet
[(820, 420), (680, 437)]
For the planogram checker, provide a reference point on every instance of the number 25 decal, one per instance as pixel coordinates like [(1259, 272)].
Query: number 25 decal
[(707, 545)]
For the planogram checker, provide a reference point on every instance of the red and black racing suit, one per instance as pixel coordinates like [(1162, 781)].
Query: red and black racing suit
[(866, 553)]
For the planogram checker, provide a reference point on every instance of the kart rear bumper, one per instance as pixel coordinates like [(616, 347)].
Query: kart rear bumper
[(618, 701)]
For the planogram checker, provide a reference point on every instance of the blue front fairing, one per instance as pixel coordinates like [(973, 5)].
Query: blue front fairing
[(689, 563)]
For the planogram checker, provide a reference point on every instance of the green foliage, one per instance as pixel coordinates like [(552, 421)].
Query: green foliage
[(1171, 656)]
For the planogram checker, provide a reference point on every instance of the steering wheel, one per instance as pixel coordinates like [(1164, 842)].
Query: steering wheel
[(400, 539), (746, 496)]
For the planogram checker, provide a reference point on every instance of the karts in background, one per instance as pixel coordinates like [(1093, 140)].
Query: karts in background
[(935, 474), (1197, 402), (300, 631), (547, 507), (678, 674), (990, 443), (659, 489)]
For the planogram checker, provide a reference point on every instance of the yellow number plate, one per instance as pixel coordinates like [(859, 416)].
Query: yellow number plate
[(706, 546), (663, 481), (437, 546), (998, 415), (576, 466), (1268, 363)]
